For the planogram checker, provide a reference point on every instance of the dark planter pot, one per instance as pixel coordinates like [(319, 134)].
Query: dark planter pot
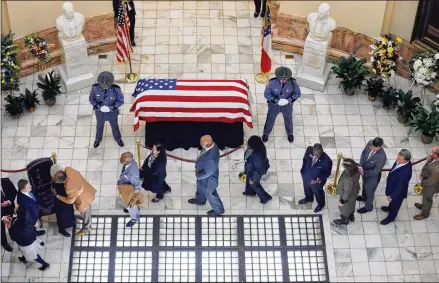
[(349, 91), (15, 116), (50, 101), (372, 98), (401, 119), (426, 139)]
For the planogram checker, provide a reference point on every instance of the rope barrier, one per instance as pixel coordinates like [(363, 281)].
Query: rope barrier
[(414, 163), (190, 160), (25, 169)]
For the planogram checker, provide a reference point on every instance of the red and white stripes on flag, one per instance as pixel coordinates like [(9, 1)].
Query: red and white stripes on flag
[(123, 43), (173, 100), (266, 43)]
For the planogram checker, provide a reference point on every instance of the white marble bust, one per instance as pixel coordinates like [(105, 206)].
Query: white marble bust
[(70, 23), (321, 24)]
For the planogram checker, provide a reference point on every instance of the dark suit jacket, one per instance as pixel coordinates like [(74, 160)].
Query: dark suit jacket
[(21, 232), (153, 177), (8, 193), (322, 168), (375, 164), (398, 181), (32, 207), (256, 166), (116, 5)]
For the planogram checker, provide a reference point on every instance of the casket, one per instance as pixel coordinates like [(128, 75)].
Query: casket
[(38, 172)]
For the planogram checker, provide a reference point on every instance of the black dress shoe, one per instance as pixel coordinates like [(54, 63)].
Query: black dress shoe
[(352, 218), (418, 205), (96, 144), (262, 14), (125, 210), (156, 199), (133, 43), (303, 201), (212, 213), (385, 221), (64, 233), (194, 201), (341, 221), (41, 233), (363, 210), (249, 194), (256, 14), (385, 208), (7, 247), (120, 143), (22, 259), (264, 138), (318, 209), (44, 267), (290, 138), (267, 200), (360, 198), (168, 190)]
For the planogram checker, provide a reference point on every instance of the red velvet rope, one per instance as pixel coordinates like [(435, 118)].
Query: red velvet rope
[(414, 163), (190, 160), (13, 171)]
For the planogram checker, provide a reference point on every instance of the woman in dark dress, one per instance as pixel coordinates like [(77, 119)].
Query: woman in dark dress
[(154, 172), (65, 217), (256, 165)]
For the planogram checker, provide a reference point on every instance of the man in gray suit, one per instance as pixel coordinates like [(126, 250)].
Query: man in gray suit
[(207, 171), (130, 176), (373, 159)]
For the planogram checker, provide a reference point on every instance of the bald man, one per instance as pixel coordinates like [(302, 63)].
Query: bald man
[(130, 176), (206, 172), (430, 184)]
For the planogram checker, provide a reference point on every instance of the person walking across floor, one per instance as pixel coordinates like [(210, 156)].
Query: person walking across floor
[(372, 161), (256, 165), (106, 99), (258, 4), (154, 172), (316, 169), (348, 188), (130, 176), (28, 202), (397, 185), (131, 13), (7, 208), (430, 184), (207, 172), (281, 92), (78, 192)]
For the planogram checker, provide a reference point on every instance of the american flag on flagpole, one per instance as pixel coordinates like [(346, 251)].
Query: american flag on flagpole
[(123, 43), (173, 100), (266, 43)]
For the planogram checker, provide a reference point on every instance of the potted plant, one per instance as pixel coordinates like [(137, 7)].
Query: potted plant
[(351, 71), (407, 106), (389, 98), (50, 86), (30, 100), (426, 122), (374, 88), (14, 105)]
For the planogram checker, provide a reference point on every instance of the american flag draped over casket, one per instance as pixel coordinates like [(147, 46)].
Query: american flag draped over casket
[(171, 100)]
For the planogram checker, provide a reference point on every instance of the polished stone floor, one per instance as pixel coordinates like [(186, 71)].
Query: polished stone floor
[(214, 39)]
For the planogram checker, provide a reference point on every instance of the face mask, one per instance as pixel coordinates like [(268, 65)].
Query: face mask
[(204, 146)]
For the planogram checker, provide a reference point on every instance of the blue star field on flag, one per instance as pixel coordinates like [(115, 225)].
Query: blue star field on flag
[(154, 84)]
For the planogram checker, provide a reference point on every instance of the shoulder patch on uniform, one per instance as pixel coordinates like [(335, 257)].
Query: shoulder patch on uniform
[(95, 84), (273, 78)]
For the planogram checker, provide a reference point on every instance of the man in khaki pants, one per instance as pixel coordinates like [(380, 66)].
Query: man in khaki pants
[(430, 184)]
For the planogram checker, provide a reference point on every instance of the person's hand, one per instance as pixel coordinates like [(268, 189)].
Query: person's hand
[(105, 109), (340, 204), (141, 169), (7, 221), (5, 203), (389, 199), (196, 171), (361, 171), (315, 181), (282, 102), (81, 190), (251, 182)]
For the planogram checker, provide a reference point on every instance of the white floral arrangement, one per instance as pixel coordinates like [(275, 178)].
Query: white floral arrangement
[(436, 102), (424, 68)]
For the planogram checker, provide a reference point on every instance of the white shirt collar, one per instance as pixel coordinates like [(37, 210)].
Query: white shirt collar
[(398, 166), (128, 165), (28, 194)]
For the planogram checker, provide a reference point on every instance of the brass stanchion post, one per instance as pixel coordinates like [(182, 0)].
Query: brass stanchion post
[(54, 157), (331, 189), (131, 77), (138, 151)]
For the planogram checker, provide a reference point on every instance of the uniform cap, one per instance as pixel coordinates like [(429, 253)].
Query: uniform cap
[(106, 78), (283, 73)]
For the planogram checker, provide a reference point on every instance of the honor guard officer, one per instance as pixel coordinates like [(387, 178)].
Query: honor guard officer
[(106, 99), (280, 93)]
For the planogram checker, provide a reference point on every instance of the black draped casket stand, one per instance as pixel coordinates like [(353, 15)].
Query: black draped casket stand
[(187, 134), (38, 172)]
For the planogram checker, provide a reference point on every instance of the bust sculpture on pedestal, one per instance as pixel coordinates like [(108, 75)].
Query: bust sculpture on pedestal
[(313, 72), (70, 23), (74, 70)]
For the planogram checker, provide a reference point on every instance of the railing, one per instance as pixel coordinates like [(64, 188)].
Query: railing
[(24, 169)]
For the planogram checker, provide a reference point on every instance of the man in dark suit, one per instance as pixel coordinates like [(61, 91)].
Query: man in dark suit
[(131, 13), (397, 185), (206, 172), (28, 201), (316, 169), (373, 158), (7, 203)]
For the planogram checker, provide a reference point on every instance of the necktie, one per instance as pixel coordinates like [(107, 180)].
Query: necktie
[(314, 160), (123, 168), (370, 155), (203, 151), (32, 196)]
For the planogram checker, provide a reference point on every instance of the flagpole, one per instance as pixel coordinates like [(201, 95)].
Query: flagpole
[(131, 77), (263, 77)]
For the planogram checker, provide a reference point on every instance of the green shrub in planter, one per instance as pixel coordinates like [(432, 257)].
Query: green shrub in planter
[(374, 88), (426, 122), (30, 100), (389, 98), (50, 86), (351, 71), (407, 106), (14, 105)]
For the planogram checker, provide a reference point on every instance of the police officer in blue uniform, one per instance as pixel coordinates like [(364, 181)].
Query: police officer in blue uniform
[(280, 93), (106, 99)]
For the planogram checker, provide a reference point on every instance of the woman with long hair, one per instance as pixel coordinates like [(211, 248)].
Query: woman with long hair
[(154, 172), (256, 165), (348, 188)]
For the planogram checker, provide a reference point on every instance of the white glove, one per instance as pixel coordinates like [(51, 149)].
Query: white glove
[(105, 109), (282, 102)]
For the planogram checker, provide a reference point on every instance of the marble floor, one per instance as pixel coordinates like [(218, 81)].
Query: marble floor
[(215, 39)]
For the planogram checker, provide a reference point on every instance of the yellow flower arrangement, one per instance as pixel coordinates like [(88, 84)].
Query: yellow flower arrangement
[(384, 56)]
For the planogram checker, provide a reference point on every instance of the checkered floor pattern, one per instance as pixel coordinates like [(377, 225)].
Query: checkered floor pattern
[(201, 249)]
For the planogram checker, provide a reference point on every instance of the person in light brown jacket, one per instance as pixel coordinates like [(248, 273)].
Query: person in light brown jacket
[(430, 184), (79, 192)]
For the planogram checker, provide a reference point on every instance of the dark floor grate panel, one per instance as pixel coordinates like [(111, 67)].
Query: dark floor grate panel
[(267, 248)]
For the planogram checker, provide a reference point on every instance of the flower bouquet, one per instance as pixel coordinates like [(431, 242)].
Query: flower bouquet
[(38, 47), (10, 65), (424, 68), (384, 56)]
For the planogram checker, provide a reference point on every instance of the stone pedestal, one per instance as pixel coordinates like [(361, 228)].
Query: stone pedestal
[(74, 70), (314, 71)]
